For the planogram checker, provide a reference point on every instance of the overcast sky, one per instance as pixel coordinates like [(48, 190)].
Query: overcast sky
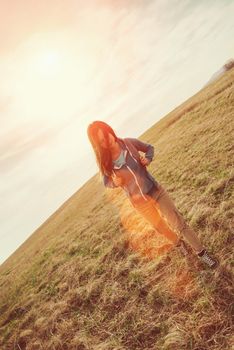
[(64, 64)]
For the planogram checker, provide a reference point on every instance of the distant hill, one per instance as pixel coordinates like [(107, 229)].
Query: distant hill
[(96, 275), (227, 66)]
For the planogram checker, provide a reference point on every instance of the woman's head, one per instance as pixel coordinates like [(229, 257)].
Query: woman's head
[(102, 138)]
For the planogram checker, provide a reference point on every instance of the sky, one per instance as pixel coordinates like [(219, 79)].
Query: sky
[(64, 64)]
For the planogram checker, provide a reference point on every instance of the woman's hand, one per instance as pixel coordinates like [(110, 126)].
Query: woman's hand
[(116, 179), (144, 161)]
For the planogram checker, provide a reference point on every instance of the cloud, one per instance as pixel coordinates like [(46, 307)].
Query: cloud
[(20, 142)]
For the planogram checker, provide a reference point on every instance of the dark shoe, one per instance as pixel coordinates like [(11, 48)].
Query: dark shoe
[(182, 246), (207, 259)]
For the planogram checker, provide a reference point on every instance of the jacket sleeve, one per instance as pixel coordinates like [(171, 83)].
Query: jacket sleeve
[(147, 148), (108, 182)]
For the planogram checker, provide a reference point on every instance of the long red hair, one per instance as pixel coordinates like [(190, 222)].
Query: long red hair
[(103, 155)]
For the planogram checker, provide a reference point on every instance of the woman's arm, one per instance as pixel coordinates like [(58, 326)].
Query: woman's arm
[(147, 148)]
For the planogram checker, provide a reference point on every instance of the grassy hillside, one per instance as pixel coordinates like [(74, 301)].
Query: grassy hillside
[(93, 275)]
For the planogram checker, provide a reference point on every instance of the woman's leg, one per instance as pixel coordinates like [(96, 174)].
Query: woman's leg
[(151, 213), (174, 219)]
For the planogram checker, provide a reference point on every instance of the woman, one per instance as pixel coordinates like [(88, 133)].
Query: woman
[(121, 165)]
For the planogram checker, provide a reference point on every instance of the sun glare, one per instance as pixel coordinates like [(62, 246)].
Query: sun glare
[(49, 62), (54, 78)]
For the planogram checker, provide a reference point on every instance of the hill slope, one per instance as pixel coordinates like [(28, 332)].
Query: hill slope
[(91, 276)]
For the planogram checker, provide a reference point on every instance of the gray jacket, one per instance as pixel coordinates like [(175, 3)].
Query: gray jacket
[(136, 180)]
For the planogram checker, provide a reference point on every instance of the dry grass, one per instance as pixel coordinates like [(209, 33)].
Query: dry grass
[(95, 276)]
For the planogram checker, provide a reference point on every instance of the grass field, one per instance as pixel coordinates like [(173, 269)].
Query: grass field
[(93, 275)]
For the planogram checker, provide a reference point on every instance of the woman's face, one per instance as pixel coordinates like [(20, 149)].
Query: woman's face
[(103, 141)]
